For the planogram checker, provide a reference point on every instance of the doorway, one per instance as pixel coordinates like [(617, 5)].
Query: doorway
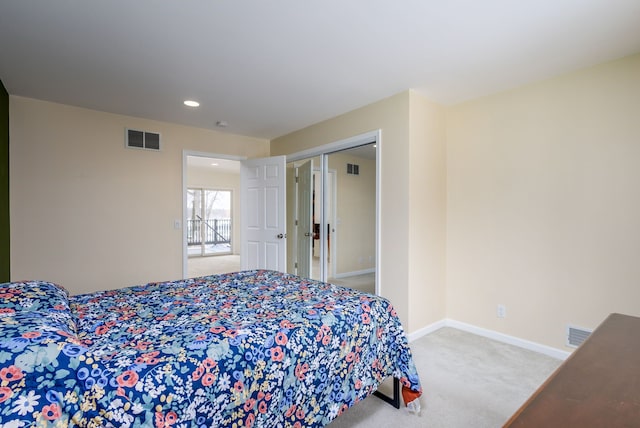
[(210, 214)]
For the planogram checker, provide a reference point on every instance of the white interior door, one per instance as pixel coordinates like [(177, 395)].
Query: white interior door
[(305, 220), (263, 233)]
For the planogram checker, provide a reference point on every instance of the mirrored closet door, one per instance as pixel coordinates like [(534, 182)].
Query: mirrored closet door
[(331, 212)]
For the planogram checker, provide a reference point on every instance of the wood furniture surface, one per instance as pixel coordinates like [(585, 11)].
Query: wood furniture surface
[(597, 386)]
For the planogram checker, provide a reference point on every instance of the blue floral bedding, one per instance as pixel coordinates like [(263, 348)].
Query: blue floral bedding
[(254, 348)]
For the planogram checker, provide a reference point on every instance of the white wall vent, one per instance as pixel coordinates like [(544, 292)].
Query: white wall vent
[(577, 335), (136, 139)]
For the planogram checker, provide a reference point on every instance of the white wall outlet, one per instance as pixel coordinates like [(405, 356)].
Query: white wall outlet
[(501, 312), (177, 224)]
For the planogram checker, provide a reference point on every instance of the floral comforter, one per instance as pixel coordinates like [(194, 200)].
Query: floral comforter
[(254, 348)]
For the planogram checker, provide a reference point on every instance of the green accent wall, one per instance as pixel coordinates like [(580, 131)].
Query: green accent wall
[(5, 247)]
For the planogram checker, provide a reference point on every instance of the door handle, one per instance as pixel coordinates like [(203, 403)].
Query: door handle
[(281, 235), (307, 234)]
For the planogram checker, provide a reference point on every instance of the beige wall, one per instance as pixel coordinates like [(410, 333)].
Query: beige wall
[(209, 178), (87, 212), (544, 204), (427, 212)]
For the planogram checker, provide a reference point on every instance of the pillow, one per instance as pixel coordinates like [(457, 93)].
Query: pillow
[(39, 353), (32, 296), (33, 313)]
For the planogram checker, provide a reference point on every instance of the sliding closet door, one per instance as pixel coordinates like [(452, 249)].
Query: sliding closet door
[(333, 199), (350, 218)]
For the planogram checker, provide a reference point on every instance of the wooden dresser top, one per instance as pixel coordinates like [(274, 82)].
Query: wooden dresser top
[(597, 386)]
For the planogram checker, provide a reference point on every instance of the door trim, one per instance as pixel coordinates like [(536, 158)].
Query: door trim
[(336, 146)]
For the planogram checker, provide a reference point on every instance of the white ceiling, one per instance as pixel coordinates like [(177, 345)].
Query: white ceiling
[(269, 67)]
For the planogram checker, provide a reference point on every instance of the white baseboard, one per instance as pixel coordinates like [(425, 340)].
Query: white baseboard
[(491, 334), (354, 273), (426, 330)]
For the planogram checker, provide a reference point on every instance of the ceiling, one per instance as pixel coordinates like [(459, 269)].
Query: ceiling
[(268, 68)]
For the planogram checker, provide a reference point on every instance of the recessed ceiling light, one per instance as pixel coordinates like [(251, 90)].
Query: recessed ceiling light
[(214, 164), (191, 103)]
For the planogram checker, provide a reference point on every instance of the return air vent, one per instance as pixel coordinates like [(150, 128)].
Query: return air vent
[(576, 335), (353, 169), (142, 140)]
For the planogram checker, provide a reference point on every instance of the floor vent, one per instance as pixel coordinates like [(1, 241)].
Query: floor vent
[(142, 140), (576, 335)]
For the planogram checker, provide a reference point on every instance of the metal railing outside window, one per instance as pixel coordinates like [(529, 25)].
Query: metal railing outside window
[(216, 231)]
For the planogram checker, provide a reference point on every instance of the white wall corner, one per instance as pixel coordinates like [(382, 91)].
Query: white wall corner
[(426, 330)]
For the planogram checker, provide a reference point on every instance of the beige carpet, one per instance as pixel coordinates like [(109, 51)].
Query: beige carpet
[(365, 282), (210, 265), (469, 382)]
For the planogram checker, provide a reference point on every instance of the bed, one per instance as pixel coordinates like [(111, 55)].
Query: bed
[(252, 348)]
